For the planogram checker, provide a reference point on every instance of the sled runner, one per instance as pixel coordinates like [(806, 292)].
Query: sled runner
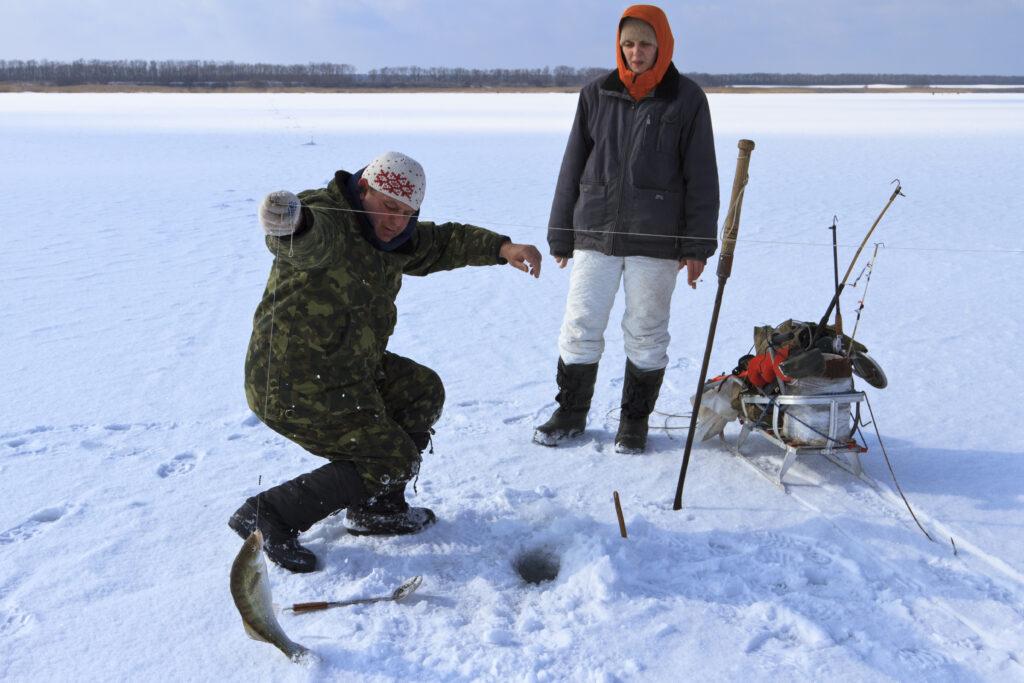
[(781, 424)]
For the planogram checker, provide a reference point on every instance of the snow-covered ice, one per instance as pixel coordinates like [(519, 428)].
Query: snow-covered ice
[(132, 264)]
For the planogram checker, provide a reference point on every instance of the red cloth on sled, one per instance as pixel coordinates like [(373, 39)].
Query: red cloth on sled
[(761, 370)]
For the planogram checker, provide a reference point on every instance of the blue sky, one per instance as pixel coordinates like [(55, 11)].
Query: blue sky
[(822, 36)]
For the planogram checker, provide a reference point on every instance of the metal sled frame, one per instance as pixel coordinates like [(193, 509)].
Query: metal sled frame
[(773, 431)]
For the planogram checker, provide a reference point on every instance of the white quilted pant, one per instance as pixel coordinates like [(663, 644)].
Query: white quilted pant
[(593, 284)]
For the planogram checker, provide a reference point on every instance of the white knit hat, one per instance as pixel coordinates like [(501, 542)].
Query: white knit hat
[(399, 177)]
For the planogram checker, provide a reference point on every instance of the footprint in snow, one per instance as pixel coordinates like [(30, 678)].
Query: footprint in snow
[(955, 579), (472, 403), (32, 526), (778, 556), (784, 541), (183, 463), (782, 637), (13, 620), (824, 611), (719, 549), (894, 584), (921, 659), (872, 500), (21, 446)]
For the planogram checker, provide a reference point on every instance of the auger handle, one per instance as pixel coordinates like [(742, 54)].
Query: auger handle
[(732, 219), (732, 226)]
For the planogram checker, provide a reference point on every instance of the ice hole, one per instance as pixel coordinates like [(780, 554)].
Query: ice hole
[(537, 565)]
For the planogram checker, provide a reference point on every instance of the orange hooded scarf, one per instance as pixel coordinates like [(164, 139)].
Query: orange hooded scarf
[(640, 85)]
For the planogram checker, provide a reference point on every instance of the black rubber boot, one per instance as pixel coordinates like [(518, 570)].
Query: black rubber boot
[(575, 390), (639, 394), (386, 513), (286, 510)]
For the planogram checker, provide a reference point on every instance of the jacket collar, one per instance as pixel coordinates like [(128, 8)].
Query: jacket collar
[(667, 89)]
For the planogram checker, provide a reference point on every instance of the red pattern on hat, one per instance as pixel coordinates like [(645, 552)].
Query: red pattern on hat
[(395, 183)]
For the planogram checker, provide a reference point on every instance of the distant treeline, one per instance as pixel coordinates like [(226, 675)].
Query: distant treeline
[(206, 74)]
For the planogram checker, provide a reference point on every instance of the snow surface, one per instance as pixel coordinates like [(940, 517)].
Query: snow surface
[(132, 264)]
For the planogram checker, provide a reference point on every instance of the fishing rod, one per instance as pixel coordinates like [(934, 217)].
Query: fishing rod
[(835, 274), (730, 232), (820, 329)]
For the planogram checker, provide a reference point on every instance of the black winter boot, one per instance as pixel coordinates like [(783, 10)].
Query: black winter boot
[(639, 394), (286, 510), (386, 513), (575, 390)]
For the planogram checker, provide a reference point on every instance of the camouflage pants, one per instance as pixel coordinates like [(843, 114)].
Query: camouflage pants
[(368, 422)]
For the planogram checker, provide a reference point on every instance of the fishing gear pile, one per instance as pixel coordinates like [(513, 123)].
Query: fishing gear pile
[(792, 358)]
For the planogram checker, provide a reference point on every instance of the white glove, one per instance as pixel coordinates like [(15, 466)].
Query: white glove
[(280, 213)]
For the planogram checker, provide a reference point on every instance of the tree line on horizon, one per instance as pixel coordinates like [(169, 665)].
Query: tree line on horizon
[(213, 74)]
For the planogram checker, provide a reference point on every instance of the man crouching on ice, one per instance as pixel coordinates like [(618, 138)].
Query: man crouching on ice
[(318, 370)]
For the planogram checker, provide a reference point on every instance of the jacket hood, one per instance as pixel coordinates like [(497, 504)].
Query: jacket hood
[(640, 85)]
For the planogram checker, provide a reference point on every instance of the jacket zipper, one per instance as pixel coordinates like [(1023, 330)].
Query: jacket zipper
[(622, 184)]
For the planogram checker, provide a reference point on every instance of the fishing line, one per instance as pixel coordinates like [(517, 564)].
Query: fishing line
[(874, 424), (668, 416), (745, 240), (869, 269), (859, 275), (273, 310), (259, 484)]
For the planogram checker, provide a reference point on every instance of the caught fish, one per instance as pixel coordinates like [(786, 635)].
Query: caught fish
[(250, 588)]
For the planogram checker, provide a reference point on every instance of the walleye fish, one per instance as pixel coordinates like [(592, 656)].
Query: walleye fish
[(250, 588)]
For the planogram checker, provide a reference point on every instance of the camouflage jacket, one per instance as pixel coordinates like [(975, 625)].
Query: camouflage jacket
[(329, 305)]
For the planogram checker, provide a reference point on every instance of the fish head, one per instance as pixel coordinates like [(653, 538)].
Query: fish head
[(253, 545)]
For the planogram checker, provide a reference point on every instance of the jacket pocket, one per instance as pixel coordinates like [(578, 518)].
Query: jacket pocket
[(668, 133), (591, 208), (657, 214)]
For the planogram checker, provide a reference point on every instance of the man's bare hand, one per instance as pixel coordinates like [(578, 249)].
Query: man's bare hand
[(562, 261), (525, 257), (693, 270)]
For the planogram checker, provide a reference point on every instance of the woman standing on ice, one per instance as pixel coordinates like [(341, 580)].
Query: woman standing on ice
[(636, 201), (318, 370)]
